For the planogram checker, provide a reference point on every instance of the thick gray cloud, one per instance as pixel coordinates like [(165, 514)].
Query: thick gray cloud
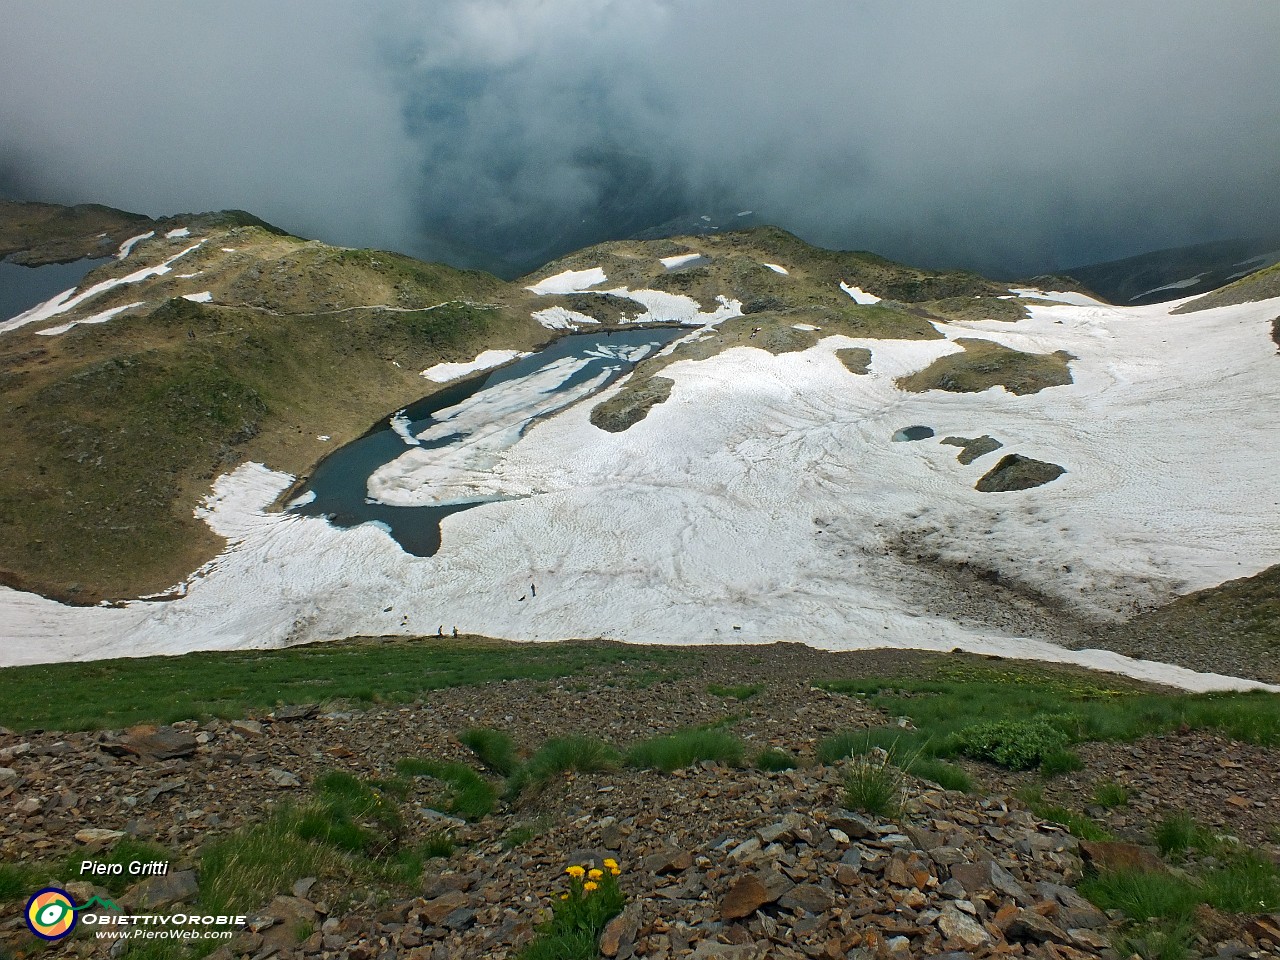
[(1010, 136)]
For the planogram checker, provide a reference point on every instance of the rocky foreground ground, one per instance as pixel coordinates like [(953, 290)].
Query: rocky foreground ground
[(716, 862)]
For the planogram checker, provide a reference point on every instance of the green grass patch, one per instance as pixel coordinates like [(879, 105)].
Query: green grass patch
[(1246, 883), (245, 870), (774, 760), (495, 748), (578, 754), (437, 845), (17, 881), (522, 833), (1083, 707), (1057, 762), (1143, 895), (1167, 940), (685, 748), (946, 775), (467, 794), (1110, 795), (850, 743), (740, 692), (119, 693), (124, 852), (1177, 833), (1077, 824)]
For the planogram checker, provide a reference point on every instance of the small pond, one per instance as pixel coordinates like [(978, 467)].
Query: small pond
[(913, 433), (501, 403)]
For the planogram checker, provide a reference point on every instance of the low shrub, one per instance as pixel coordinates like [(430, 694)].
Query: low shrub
[(1012, 744)]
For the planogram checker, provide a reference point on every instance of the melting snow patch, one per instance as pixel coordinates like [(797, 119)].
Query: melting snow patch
[(401, 424), (663, 307), (127, 246), (180, 232), (203, 296), (1176, 285), (570, 281), (859, 295), (228, 249), (777, 269), (322, 437), (301, 501), (558, 318), (804, 326), (60, 303), (444, 372), (39, 312), (102, 317), (679, 260), (1075, 299)]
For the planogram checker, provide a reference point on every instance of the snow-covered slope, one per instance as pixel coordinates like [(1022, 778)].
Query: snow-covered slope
[(766, 501)]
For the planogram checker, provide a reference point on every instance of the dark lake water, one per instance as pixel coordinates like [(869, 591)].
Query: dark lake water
[(340, 481), (21, 288), (913, 433)]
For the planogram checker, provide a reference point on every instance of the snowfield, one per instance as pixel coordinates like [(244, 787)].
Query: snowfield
[(764, 501), (444, 372)]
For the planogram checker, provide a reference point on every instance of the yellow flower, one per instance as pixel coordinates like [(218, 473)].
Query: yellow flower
[(575, 871), (615, 871), (611, 863), (590, 885), (595, 874), (564, 896)]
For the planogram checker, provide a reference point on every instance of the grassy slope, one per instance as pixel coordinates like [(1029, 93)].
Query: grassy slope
[(1239, 616), (112, 433), (985, 364), (1262, 285), (40, 233)]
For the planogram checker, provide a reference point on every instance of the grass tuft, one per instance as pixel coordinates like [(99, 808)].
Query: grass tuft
[(685, 748), (873, 785), (1143, 895), (495, 748), (1057, 762), (467, 795), (1177, 833), (946, 775), (1170, 940), (774, 760), (741, 692), (1110, 795)]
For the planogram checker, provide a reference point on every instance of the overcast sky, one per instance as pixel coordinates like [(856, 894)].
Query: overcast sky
[(1011, 136)]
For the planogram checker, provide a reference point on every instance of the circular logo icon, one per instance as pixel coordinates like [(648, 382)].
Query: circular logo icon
[(51, 913)]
